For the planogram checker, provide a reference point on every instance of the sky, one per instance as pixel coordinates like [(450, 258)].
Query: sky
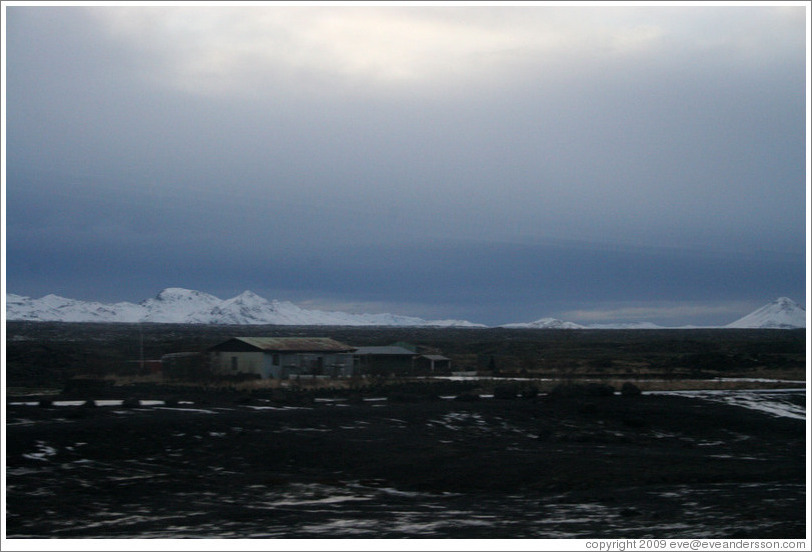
[(491, 163)]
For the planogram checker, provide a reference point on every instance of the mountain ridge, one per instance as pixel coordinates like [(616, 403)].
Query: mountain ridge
[(179, 305), (546, 324)]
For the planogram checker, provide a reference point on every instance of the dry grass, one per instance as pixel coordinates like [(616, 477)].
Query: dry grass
[(27, 391), (545, 384)]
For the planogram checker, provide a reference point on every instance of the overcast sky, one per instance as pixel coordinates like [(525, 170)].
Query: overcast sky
[(490, 163)]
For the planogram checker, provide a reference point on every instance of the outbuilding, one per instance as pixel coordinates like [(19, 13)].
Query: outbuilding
[(433, 364), (282, 357), (385, 361)]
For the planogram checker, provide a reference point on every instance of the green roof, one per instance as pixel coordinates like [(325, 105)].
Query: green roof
[(385, 351), (290, 344)]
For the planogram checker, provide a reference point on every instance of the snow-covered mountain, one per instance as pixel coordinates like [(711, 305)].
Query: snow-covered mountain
[(546, 324), (54, 307), (783, 313), (177, 305), (627, 326)]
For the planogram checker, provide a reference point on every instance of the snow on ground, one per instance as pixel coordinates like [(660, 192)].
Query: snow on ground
[(777, 402)]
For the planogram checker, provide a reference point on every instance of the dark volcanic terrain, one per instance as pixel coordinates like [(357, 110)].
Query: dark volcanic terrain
[(392, 458), (542, 467)]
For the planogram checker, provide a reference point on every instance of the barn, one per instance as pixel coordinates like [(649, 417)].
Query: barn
[(282, 357)]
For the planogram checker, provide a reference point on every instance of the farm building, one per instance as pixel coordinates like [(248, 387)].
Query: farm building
[(400, 361), (385, 361), (282, 357), (433, 364)]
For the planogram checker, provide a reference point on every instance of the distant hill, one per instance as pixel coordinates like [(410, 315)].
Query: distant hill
[(546, 324), (783, 313), (627, 326)]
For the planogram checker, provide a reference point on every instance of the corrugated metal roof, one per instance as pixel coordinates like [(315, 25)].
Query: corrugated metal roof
[(296, 344), (435, 357), (390, 350)]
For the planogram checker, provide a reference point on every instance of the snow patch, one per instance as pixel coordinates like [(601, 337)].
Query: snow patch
[(776, 402)]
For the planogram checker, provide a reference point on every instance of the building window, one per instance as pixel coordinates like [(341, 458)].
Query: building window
[(234, 363), (275, 360)]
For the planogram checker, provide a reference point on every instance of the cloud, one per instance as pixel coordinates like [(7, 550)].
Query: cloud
[(245, 50), (387, 155), (255, 50), (665, 312)]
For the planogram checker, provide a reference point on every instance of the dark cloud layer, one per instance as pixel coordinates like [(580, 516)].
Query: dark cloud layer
[(510, 165)]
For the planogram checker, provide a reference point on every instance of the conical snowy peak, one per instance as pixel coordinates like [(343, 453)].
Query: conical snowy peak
[(786, 304), (783, 313)]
